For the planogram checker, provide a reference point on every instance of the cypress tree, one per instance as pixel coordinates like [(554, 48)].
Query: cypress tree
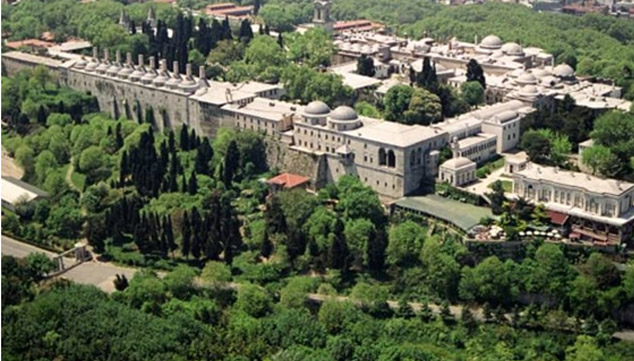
[(149, 116), (42, 114), (475, 73), (184, 138), (192, 187), (266, 248), (204, 154), (274, 217), (139, 112), (123, 168), (338, 250), (231, 163), (184, 188), (246, 33), (186, 236), (118, 136), (196, 232), (280, 40), (226, 29), (61, 107), (375, 250), (171, 142), (169, 234), (267, 31)]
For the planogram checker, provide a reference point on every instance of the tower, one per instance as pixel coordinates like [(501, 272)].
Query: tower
[(151, 17), (321, 17), (124, 20)]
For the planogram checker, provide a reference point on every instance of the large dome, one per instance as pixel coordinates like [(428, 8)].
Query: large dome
[(512, 49), (540, 73), (491, 42), (564, 71), (316, 108), (344, 113)]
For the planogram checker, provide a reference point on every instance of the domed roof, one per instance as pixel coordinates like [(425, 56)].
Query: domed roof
[(527, 78), (81, 64), (113, 70), (137, 74), (103, 67), (174, 81), (160, 80), (512, 49), (456, 163), (344, 112), (125, 72), (316, 108), (550, 81), (491, 42), (564, 71), (529, 90), (540, 73)]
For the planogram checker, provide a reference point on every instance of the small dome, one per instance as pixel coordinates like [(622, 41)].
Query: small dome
[(491, 42), (102, 67), (137, 74), (92, 65), (174, 81), (148, 77), (529, 90), (160, 80), (113, 70), (564, 71), (316, 108), (540, 73), (344, 113), (527, 78), (550, 81), (81, 64), (507, 115), (457, 163), (125, 72), (512, 49)]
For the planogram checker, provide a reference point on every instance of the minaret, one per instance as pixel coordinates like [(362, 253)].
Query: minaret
[(124, 19), (151, 17), (321, 17)]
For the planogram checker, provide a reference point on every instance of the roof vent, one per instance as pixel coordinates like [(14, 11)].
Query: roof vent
[(271, 104), (293, 108)]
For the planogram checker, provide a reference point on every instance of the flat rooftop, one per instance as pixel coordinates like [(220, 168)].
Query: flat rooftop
[(14, 190), (266, 109), (463, 215), (571, 179), (396, 134)]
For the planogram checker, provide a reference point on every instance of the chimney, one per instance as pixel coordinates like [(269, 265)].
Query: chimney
[(106, 55), (163, 66), (128, 59), (95, 53), (175, 69), (188, 70), (118, 57), (141, 60), (152, 63), (201, 72)]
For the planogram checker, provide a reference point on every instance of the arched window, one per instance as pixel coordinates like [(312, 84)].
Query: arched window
[(419, 156), (391, 159), (382, 156), (412, 157)]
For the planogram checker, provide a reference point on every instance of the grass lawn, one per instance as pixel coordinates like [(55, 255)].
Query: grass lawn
[(506, 185), (78, 179)]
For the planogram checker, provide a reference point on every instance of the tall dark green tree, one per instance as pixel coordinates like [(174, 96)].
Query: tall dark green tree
[(204, 154), (365, 66), (246, 33), (149, 116), (192, 186), (184, 144), (475, 73), (338, 251), (226, 30), (274, 216), (231, 163), (186, 236)]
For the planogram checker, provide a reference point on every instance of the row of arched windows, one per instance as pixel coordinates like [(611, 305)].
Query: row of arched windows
[(387, 158)]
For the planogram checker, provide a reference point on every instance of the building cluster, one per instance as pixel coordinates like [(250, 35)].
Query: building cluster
[(394, 159)]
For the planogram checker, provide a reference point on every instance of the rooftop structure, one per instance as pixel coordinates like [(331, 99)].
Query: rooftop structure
[(229, 9), (15, 190), (600, 210), (288, 181)]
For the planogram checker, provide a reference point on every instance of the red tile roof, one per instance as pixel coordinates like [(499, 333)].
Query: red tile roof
[(289, 180), (557, 217)]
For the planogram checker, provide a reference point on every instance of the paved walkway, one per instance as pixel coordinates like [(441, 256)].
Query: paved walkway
[(482, 185), (9, 167), (94, 273)]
